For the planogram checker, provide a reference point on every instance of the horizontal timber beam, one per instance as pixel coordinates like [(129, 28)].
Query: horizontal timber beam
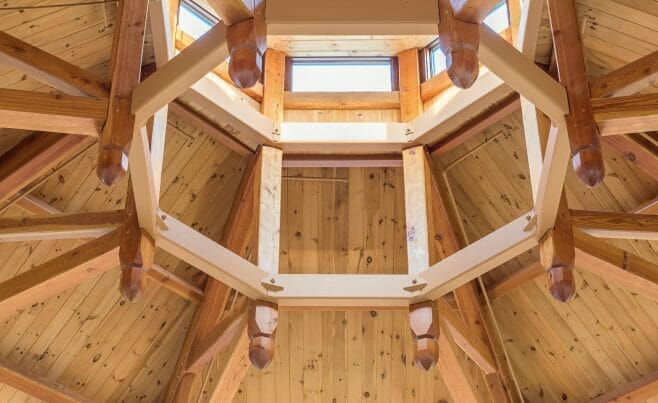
[(210, 257), (628, 79), (344, 17), (516, 279), (54, 276), (33, 157), (180, 73), (341, 100), (616, 265), (342, 161), (55, 113), (37, 386), (616, 225), (50, 69), (60, 226), (628, 114)]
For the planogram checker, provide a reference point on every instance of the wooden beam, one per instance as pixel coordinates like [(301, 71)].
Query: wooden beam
[(640, 390), (61, 226), (175, 284), (233, 11), (516, 279), (180, 73), (479, 123), (273, 85), (615, 265), (33, 157), (341, 100), (50, 69), (37, 386), (126, 68), (557, 255), (616, 225), (417, 204), (453, 368), (136, 251), (56, 275), (474, 11), (434, 86), (466, 339), (263, 322), (56, 113), (529, 80), (411, 104), (587, 159), (217, 339), (342, 161), (637, 149), (628, 79), (629, 114)]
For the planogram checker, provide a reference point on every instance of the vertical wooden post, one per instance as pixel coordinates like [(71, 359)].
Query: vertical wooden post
[(586, 156), (557, 255), (136, 252), (411, 104), (423, 320), (126, 67), (273, 85), (247, 42)]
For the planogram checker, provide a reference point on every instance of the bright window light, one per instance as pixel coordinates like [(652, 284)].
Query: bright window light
[(191, 22), (341, 76), (497, 18)]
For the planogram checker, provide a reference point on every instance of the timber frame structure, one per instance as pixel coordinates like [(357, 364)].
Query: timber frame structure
[(129, 117)]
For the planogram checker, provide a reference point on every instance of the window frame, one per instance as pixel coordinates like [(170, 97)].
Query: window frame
[(196, 9)]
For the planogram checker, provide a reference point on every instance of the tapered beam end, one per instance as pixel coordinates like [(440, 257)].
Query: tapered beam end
[(261, 351), (426, 353), (463, 66), (133, 283), (589, 167), (112, 166), (562, 283), (245, 67)]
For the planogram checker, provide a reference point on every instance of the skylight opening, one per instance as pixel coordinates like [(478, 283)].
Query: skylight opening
[(497, 20), (192, 22), (341, 75)]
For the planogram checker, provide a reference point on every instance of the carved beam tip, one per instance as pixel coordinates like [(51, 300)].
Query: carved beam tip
[(589, 167), (562, 283), (261, 328), (112, 166)]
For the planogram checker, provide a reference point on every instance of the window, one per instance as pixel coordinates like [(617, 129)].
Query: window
[(341, 74), (193, 20), (498, 20)]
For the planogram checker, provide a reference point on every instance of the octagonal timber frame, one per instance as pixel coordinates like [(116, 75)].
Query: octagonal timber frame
[(509, 70)]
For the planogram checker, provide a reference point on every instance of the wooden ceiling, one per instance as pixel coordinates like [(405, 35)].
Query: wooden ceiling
[(349, 221)]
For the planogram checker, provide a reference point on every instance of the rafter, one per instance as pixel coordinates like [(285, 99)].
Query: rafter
[(126, 68), (629, 114), (54, 276), (50, 69), (516, 279), (37, 386), (453, 368), (616, 225), (33, 157), (55, 113), (61, 226), (220, 336), (616, 265), (628, 79)]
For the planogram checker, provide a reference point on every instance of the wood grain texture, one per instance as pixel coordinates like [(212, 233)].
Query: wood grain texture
[(629, 114), (627, 79), (61, 226)]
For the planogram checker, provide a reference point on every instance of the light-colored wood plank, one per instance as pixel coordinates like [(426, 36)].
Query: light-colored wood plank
[(629, 114), (55, 113), (628, 79), (341, 100), (273, 85), (616, 225), (411, 104), (62, 226), (642, 389), (50, 69)]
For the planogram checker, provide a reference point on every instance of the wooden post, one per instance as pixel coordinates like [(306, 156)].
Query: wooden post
[(557, 255), (126, 67), (136, 252), (247, 42), (411, 104), (424, 323), (584, 137), (273, 85)]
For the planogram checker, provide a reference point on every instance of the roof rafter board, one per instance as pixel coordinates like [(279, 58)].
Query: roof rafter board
[(346, 17)]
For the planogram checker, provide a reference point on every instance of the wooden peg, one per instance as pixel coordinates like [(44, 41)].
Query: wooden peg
[(459, 41), (261, 328), (136, 252), (423, 320), (558, 255), (247, 42)]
